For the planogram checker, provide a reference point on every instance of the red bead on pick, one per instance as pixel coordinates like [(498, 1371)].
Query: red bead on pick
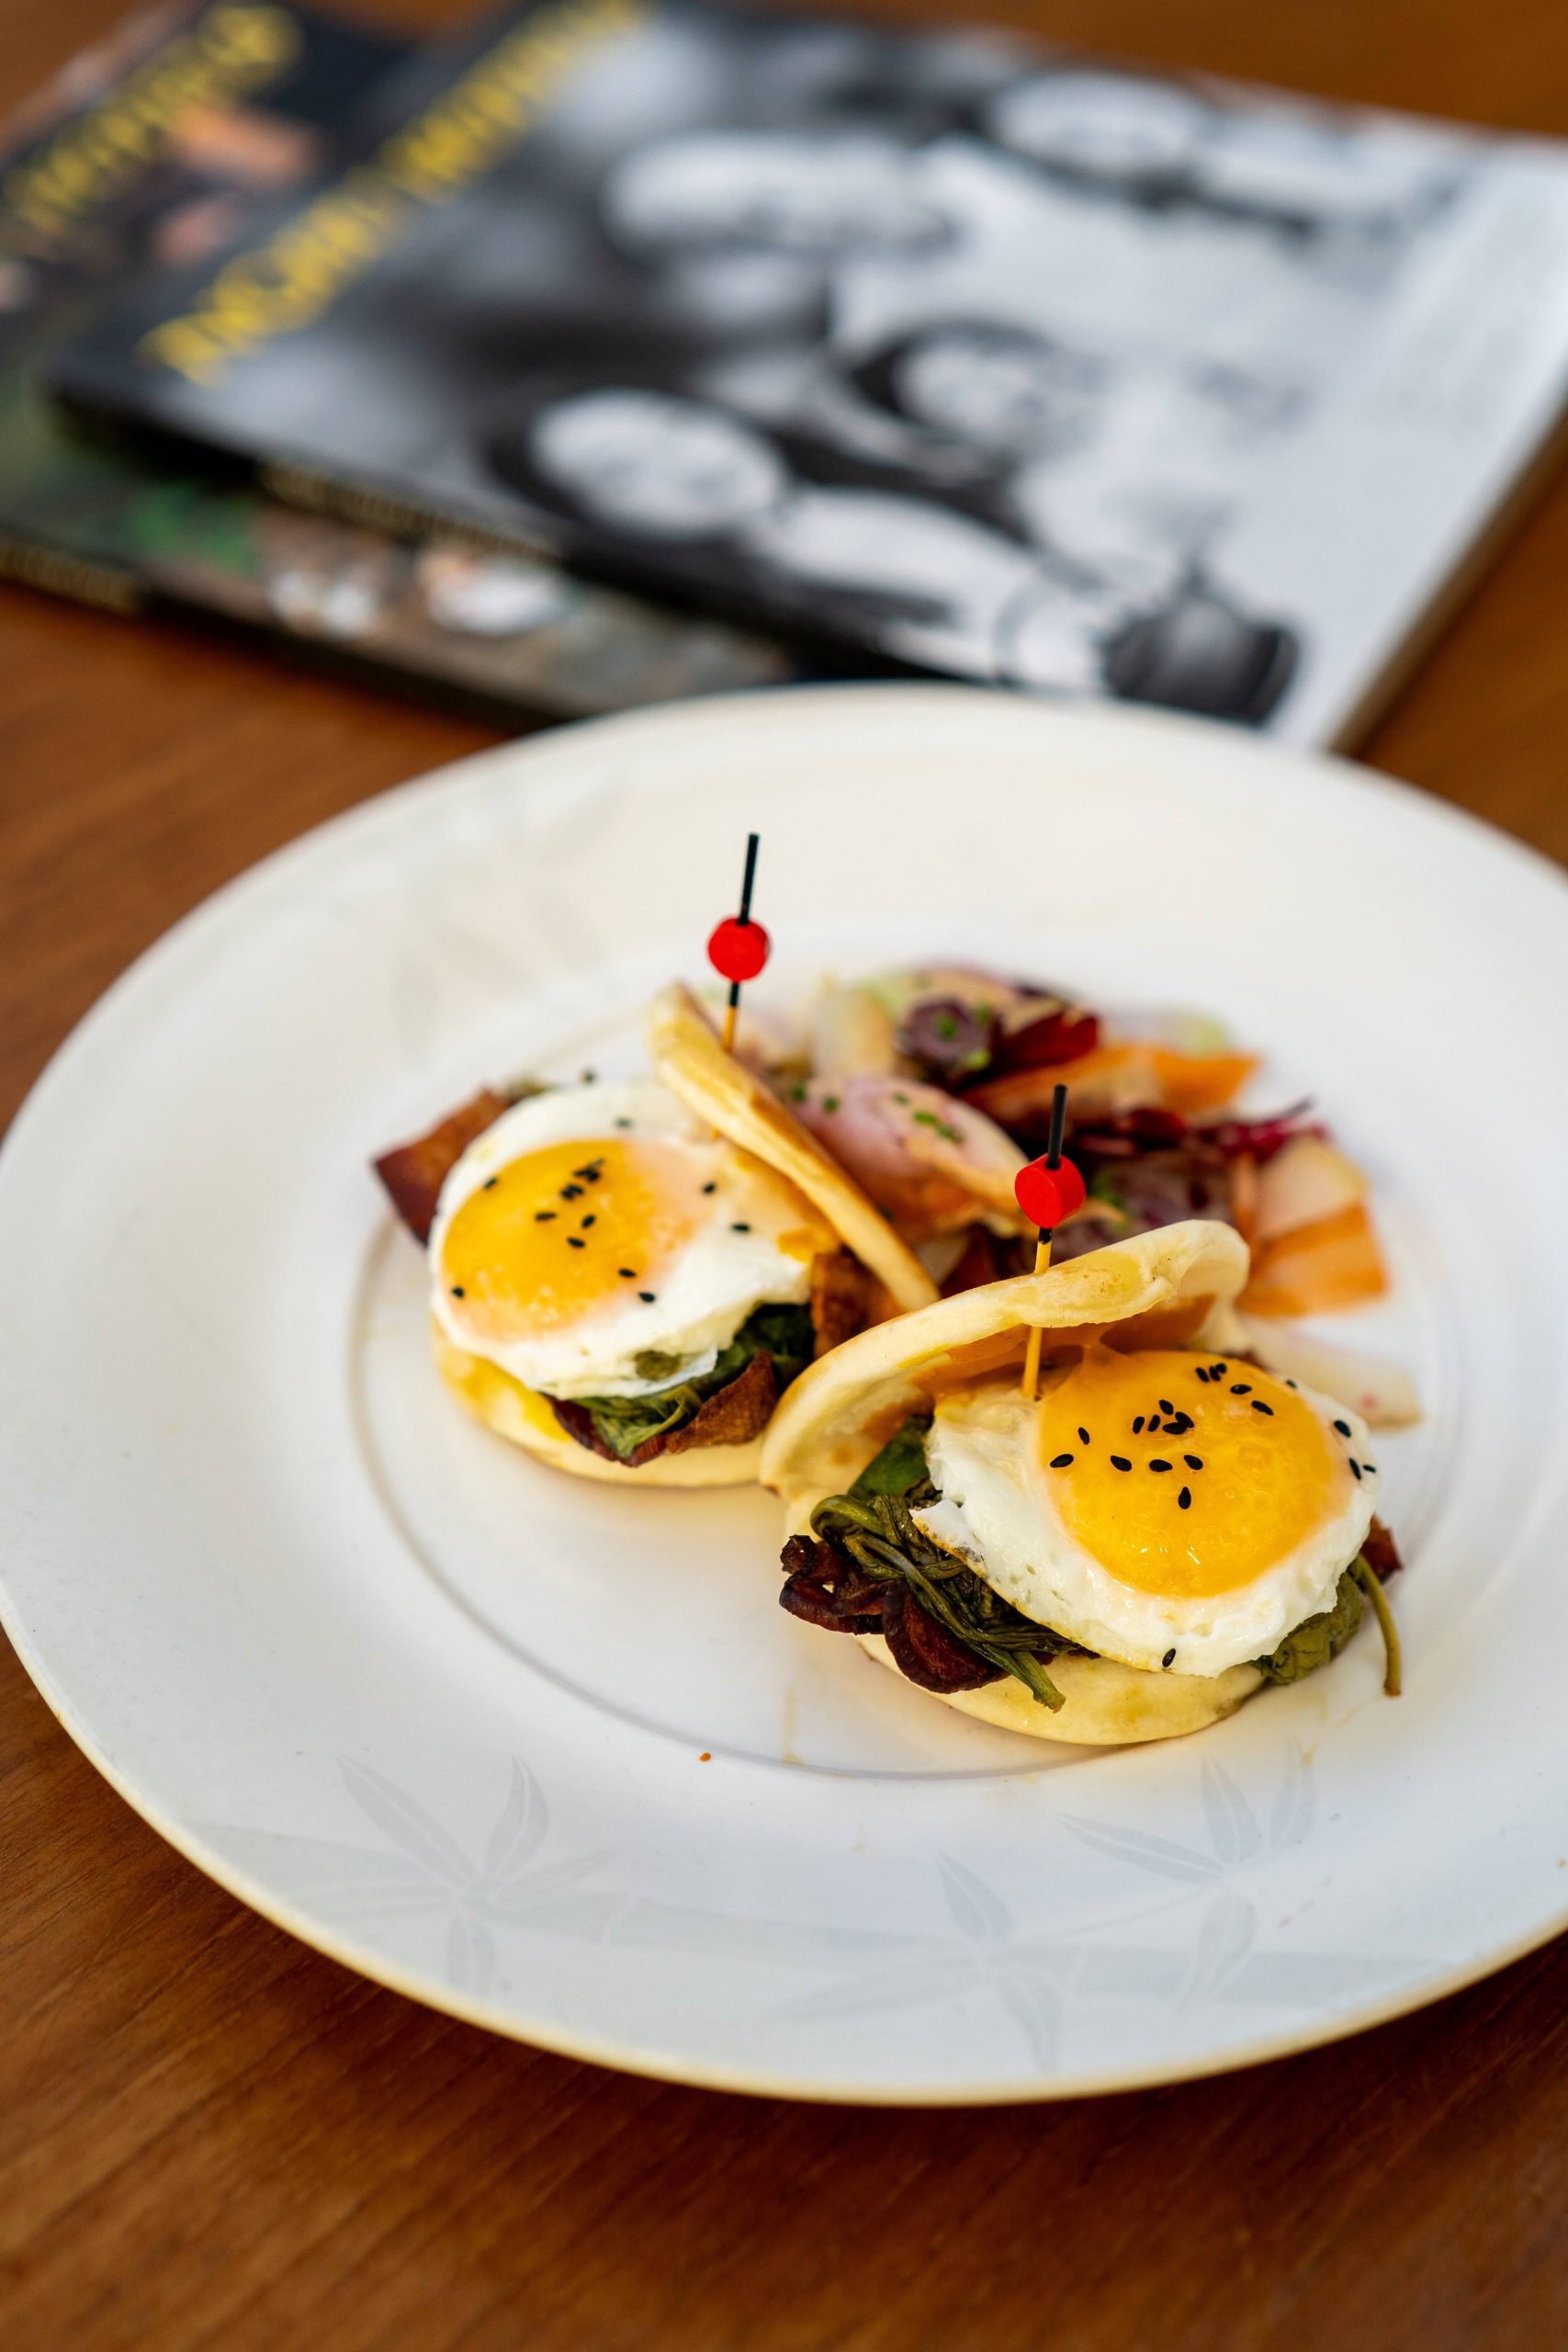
[(738, 950), (1047, 1195)]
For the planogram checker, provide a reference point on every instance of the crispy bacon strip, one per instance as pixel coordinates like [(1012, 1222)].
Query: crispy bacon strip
[(925, 1651), (732, 1417), (415, 1172), (825, 1590), (828, 1591), (1380, 1552), (843, 1292), (736, 1415)]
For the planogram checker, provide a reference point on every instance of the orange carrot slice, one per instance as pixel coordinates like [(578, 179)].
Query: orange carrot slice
[(1199, 1081), (1335, 1262), (1112, 1078)]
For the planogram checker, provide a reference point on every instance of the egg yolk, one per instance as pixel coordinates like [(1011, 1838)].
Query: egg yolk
[(566, 1231), (1184, 1475)]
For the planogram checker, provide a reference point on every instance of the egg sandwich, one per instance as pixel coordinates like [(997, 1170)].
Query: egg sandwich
[(626, 1276), (1129, 1555)]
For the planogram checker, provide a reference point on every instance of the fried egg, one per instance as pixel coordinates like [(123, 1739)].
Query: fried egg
[(595, 1227), (1167, 1510)]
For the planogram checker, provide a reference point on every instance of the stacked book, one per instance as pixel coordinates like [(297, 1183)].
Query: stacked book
[(614, 350)]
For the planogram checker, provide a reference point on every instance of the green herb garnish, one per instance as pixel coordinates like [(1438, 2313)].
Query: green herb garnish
[(944, 1127), (624, 1423), (1367, 1577), (1316, 1640), (873, 1526), (900, 1467), (1319, 1640)]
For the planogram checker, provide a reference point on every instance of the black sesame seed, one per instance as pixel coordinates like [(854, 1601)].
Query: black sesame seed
[(741, 1228), (626, 1273), (647, 1297), (1060, 1461), (1371, 1466), (1119, 1462), (1138, 1426), (1218, 1371), (589, 1220), (1203, 1375), (1169, 1658), (1166, 1406), (457, 1290), (1259, 1406), (489, 1183), (1157, 1464), (544, 1216), (1193, 1461), (590, 1173), (1356, 1472), (710, 1188), (1184, 1500), (1241, 1388), (1343, 1428), (1083, 1437), (573, 1243), (569, 1193), (1292, 1383)]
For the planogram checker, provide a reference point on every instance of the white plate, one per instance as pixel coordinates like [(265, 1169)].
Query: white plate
[(550, 1755)]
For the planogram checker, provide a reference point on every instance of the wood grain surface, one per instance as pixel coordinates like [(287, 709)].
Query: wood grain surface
[(209, 2136)]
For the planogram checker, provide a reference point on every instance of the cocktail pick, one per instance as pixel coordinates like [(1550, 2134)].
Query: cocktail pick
[(1048, 1190), (737, 948)]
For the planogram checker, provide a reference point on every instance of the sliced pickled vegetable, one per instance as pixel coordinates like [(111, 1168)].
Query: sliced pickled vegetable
[(934, 1163), (1306, 1182), (1377, 1388), (1335, 1262), (1199, 1081), (852, 1033)]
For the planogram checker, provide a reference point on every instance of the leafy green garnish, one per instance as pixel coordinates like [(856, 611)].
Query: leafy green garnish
[(1367, 1577), (1316, 1640), (1104, 1185), (873, 1526), (624, 1423), (901, 1465)]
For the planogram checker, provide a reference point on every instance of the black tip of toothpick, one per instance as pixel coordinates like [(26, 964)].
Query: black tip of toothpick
[(748, 878), (1058, 1127)]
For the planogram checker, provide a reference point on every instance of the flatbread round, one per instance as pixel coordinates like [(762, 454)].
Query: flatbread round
[(687, 1055), (525, 1418), (1157, 1290), (1108, 1704)]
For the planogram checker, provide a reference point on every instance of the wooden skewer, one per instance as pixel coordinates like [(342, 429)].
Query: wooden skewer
[(1031, 1355)]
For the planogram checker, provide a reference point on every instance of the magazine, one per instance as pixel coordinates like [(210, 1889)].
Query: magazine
[(156, 149), (953, 351)]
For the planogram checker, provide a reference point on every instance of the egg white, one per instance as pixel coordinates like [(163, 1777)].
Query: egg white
[(997, 1512), (705, 1296)]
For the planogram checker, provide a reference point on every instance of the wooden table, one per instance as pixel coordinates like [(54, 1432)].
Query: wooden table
[(211, 2137)]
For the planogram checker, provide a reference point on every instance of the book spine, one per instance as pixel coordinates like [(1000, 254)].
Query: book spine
[(400, 518), (78, 578)]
